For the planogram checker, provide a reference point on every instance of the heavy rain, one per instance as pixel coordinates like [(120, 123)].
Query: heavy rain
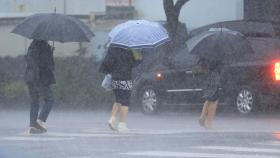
[(139, 79)]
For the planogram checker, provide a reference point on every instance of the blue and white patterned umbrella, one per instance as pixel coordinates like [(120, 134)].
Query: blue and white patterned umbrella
[(138, 34)]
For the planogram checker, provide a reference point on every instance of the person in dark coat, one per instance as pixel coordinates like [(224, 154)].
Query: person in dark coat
[(119, 63), (211, 90), (39, 77)]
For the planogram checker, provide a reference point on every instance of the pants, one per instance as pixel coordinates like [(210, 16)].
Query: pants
[(35, 93)]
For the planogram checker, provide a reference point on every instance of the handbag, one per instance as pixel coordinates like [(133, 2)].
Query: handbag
[(107, 82)]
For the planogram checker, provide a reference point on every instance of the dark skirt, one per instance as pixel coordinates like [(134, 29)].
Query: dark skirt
[(215, 97), (122, 96)]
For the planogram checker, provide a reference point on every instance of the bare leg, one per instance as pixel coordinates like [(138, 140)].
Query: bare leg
[(112, 120), (123, 113), (211, 114), (115, 110), (203, 113), (204, 110)]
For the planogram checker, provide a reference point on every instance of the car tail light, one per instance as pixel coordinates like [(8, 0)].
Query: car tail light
[(159, 76), (277, 135), (277, 71)]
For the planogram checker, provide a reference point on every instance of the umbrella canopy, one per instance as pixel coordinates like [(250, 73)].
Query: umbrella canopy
[(54, 27), (138, 34), (247, 28), (219, 44)]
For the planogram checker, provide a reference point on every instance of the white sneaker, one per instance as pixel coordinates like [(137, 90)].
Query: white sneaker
[(41, 123), (112, 124), (122, 128)]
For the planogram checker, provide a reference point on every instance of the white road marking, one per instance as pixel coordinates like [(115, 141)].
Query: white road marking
[(79, 157), (175, 131), (151, 131), (57, 134), (192, 155), (272, 143), (140, 131), (33, 139), (241, 149)]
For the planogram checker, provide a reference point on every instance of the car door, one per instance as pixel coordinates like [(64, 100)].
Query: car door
[(182, 87)]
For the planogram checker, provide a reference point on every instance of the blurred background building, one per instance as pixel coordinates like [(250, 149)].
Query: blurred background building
[(78, 79), (260, 10), (102, 15)]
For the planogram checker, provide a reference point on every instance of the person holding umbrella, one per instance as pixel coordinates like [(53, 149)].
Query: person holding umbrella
[(212, 70), (119, 62), (39, 77), (43, 27), (216, 48)]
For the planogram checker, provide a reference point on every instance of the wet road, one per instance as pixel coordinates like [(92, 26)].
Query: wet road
[(85, 135)]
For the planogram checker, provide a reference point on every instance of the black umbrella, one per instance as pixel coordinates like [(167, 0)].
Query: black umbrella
[(54, 27), (220, 44), (248, 28)]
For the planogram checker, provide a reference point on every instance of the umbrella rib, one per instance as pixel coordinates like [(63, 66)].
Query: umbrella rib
[(81, 26), (21, 26), (38, 27)]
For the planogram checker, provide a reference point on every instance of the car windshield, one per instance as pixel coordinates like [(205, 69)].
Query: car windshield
[(183, 58)]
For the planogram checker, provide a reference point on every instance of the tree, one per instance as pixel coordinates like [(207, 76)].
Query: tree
[(172, 11)]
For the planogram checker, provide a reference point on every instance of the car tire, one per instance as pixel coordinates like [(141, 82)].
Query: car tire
[(149, 100), (246, 100)]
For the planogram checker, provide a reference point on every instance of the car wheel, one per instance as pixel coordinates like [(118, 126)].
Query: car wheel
[(245, 100), (149, 100)]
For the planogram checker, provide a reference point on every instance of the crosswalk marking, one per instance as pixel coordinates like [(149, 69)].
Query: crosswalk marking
[(151, 131), (140, 131), (174, 131), (192, 155), (33, 139), (79, 157), (271, 143), (241, 149), (57, 134)]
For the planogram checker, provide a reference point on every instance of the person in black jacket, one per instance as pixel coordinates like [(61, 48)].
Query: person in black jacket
[(119, 63), (212, 70), (38, 77)]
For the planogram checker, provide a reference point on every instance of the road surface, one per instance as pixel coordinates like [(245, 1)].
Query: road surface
[(84, 134)]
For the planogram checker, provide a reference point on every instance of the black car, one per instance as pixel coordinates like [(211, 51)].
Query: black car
[(251, 82)]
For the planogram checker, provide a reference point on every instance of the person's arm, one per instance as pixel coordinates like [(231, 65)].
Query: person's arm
[(215, 80), (32, 65), (52, 64), (46, 60), (107, 63)]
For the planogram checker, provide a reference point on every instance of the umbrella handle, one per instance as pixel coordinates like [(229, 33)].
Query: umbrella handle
[(52, 46)]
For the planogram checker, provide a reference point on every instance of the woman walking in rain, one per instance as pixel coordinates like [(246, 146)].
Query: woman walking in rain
[(38, 77), (119, 63), (212, 70)]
